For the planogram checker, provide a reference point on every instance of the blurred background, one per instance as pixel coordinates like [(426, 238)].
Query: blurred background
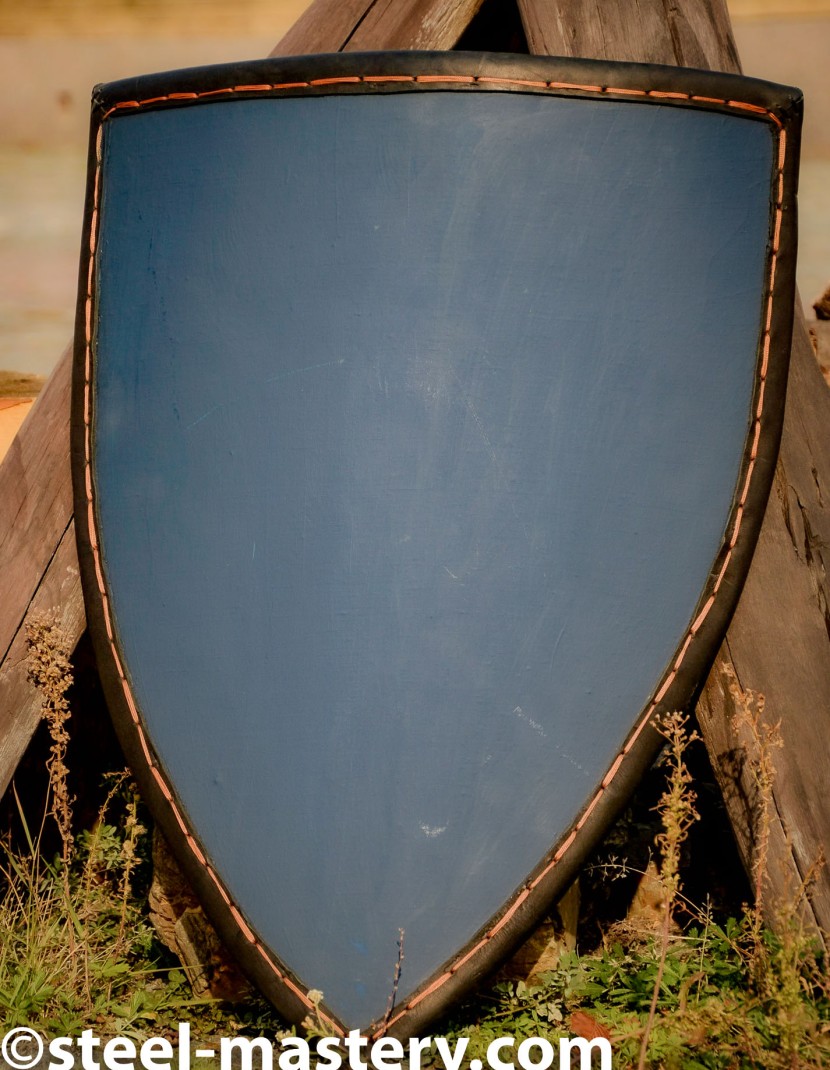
[(53, 51)]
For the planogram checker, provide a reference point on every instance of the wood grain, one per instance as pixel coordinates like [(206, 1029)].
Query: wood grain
[(368, 25), (325, 26), (690, 33), (37, 548), (58, 592), (35, 499), (779, 645)]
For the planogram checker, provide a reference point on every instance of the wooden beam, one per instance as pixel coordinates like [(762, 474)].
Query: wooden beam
[(779, 641), (37, 549), (778, 645), (58, 593), (369, 25), (35, 499), (688, 33)]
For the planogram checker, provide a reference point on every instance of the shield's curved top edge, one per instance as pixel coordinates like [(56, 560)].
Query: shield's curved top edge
[(397, 71), (381, 72)]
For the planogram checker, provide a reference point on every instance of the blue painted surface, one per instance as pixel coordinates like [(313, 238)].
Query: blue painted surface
[(419, 421)]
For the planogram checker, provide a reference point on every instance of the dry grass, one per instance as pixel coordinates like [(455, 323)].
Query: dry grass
[(699, 993)]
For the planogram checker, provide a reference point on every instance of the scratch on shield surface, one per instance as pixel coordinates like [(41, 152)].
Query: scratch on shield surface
[(307, 368), (205, 415), (497, 463), (520, 713)]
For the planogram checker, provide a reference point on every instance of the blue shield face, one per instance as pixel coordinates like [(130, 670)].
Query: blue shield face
[(425, 429)]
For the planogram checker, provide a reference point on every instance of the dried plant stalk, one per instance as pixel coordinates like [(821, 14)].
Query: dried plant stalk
[(49, 669)]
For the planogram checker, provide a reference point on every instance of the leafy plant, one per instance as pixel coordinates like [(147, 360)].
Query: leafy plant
[(699, 992)]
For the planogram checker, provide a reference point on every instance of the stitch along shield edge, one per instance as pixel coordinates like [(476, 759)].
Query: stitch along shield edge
[(775, 108)]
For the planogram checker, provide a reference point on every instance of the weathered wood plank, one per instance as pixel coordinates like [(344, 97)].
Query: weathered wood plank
[(58, 593), (325, 26), (35, 501), (368, 25), (779, 641), (37, 549), (779, 645), (688, 33), (431, 24)]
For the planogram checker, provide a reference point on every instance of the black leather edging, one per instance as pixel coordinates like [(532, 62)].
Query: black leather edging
[(714, 84), (588, 78)]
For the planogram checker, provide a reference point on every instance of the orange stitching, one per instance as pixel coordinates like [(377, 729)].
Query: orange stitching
[(565, 846), (753, 453), (105, 604), (590, 809), (436, 984), (724, 567), (264, 954), (759, 408), (693, 630), (162, 783), (626, 92), (240, 921), (194, 847), (456, 966), (575, 85), (219, 886), (682, 655), (332, 81), (484, 79), (427, 79), (100, 578), (180, 820), (612, 772), (747, 107), (704, 613), (144, 746), (773, 269), (782, 146), (505, 918), (661, 694), (635, 735), (746, 484), (461, 79)]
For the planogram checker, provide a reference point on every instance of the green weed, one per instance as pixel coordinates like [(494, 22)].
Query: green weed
[(695, 992), (702, 995), (76, 947)]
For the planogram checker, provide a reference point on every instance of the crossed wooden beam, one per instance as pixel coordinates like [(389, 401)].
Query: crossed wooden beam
[(779, 641)]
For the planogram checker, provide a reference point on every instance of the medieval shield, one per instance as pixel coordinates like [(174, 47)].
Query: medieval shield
[(426, 408)]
